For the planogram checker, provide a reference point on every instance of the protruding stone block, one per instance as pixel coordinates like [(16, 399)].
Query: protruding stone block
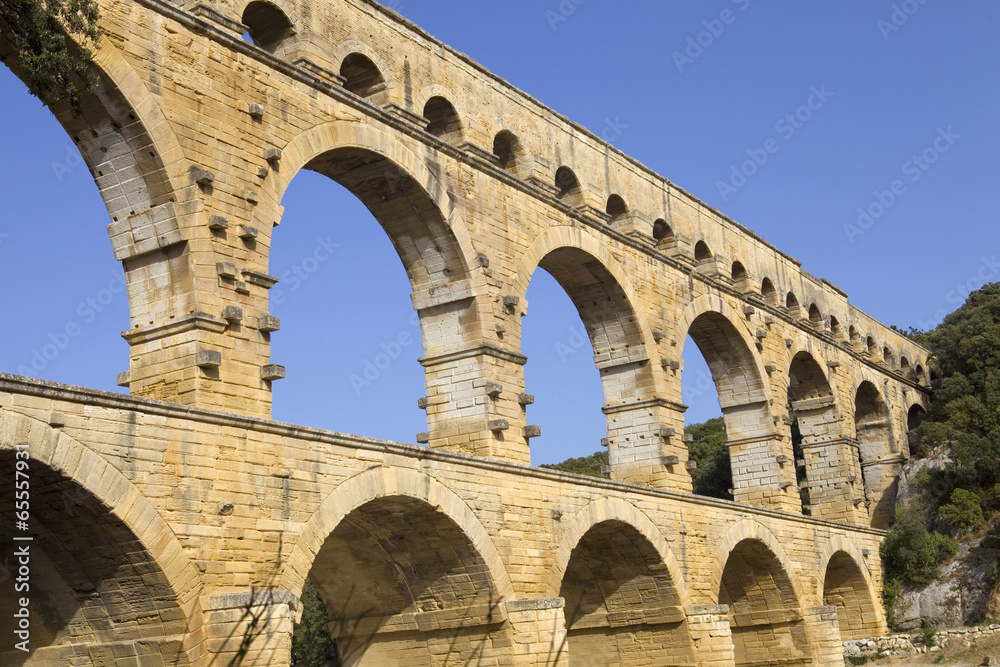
[(268, 323), (532, 431), (671, 460), (248, 233), (218, 222), (605, 442), (124, 379), (272, 372), (669, 364), (232, 314), (493, 390), (511, 300), (691, 464), (423, 402), (57, 419), (202, 176), (525, 399), (272, 154), (241, 287), (423, 438), (226, 269), (208, 358), (255, 110), (667, 432), (497, 425)]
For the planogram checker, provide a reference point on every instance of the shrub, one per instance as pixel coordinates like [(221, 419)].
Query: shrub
[(910, 553), (964, 510)]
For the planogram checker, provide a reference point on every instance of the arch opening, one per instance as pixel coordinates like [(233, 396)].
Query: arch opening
[(268, 26), (608, 324), (442, 120), (768, 291), (812, 411), (400, 580), (616, 208), (873, 431), (702, 252), (815, 316), (845, 588), (615, 573), (792, 304), (363, 78), (764, 613), (92, 580), (568, 186), (311, 256), (508, 149), (662, 231), (738, 272)]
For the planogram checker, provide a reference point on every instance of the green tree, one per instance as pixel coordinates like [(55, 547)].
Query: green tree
[(910, 553), (585, 465), (52, 65), (312, 645), (714, 476), (964, 510)]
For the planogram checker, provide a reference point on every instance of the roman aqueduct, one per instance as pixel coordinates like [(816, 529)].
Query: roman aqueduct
[(178, 525)]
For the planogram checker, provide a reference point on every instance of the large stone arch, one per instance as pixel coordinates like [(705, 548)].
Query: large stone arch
[(760, 475), (608, 306), (103, 559), (755, 578), (403, 566), (624, 592), (382, 482), (845, 582)]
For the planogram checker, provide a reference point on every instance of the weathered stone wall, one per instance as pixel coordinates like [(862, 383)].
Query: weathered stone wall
[(223, 518)]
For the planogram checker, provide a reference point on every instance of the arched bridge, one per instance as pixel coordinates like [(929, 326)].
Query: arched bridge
[(178, 526)]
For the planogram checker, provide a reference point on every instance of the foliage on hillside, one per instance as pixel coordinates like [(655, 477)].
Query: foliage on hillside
[(585, 465), (962, 498), (53, 67)]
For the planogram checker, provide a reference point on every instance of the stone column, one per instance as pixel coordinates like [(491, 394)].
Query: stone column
[(881, 481), (255, 624), (823, 631), (833, 472), (646, 444), (539, 632), (711, 634), (762, 477)]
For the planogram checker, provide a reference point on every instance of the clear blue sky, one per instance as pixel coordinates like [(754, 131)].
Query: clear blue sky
[(689, 112)]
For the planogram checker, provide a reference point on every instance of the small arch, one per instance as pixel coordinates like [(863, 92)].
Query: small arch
[(568, 186), (935, 379), (835, 327), (792, 303), (914, 416), (508, 149), (268, 26), (815, 317), (739, 272), (887, 357), (855, 337), (662, 231), (768, 291), (871, 346), (442, 120), (616, 208), (846, 588), (362, 77), (702, 252), (920, 375), (904, 367)]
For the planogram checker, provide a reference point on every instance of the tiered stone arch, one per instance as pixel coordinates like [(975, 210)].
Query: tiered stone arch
[(878, 450), (640, 449), (404, 567), (760, 476), (141, 588), (624, 591)]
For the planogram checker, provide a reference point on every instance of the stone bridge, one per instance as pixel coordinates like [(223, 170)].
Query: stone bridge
[(178, 526)]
